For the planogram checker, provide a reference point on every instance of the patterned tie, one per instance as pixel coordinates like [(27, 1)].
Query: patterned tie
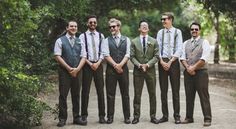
[(72, 41), (93, 46), (144, 45), (117, 40)]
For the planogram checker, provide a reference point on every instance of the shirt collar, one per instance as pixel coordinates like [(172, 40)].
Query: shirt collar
[(195, 38), (118, 35), (68, 36), (89, 32), (170, 29)]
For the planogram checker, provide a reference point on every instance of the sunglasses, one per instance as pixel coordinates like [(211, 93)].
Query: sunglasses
[(112, 27), (92, 22), (163, 19), (194, 29)]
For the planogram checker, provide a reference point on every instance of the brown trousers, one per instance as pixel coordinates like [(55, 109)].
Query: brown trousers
[(197, 83), (174, 76), (66, 83)]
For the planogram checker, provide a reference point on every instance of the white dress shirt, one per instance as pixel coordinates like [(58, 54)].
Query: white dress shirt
[(179, 42), (89, 43)]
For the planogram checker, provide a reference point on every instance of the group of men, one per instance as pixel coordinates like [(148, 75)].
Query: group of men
[(80, 60)]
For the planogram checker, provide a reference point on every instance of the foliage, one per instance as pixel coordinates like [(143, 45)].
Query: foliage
[(19, 107)]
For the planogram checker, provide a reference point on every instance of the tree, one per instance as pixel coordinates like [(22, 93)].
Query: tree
[(215, 9)]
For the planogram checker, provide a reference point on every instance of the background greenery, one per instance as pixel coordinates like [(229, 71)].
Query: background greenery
[(29, 28)]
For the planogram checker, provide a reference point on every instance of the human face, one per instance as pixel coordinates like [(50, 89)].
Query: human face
[(92, 24), (144, 28), (114, 28), (195, 31), (166, 21), (72, 28)]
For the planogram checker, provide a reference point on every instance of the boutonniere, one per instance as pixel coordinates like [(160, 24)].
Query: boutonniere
[(149, 43), (77, 42)]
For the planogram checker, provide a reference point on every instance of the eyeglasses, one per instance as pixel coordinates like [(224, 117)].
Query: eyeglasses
[(163, 19), (194, 29), (112, 26), (92, 22)]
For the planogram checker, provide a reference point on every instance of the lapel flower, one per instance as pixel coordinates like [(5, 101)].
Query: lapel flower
[(149, 43), (77, 42)]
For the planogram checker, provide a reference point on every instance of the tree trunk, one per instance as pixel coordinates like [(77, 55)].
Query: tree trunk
[(231, 47), (217, 44)]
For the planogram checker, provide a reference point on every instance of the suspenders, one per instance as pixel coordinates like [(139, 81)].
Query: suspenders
[(100, 42), (162, 42)]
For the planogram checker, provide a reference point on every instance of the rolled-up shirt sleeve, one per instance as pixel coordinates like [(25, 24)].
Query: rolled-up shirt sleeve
[(83, 51), (128, 48), (159, 41), (58, 47), (206, 50), (179, 44), (105, 48), (183, 55)]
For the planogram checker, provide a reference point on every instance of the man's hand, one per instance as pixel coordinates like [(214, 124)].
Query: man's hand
[(74, 72), (166, 66), (144, 67), (118, 68), (191, 70), (95, 66)]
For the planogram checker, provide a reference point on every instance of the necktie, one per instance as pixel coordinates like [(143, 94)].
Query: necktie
[(144, 45), (93, 46), (117, 40), (169, 41), (72, 41)]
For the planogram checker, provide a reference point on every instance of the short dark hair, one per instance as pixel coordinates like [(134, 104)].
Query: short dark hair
[(169, 14), (197, 24), (91, 16), (67, 23), (141, 21)]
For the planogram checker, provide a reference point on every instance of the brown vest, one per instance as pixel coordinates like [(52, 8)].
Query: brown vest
[(194, 52)]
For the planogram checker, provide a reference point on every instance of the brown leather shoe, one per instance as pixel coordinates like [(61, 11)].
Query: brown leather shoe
[(187, 121)]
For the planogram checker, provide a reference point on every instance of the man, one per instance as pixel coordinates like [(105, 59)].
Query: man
[(144, 54), (194, 58), (170, 43), (70, 54), (93, 68), (116, 49)]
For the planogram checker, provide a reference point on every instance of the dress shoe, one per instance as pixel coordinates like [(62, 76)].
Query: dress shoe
[(187, 121), (109, 120), (80, 121), (61, 123), (102, 120), (127, 121), (177, 121), (154, 121), (207, 123), (163, 119), (135, 121)]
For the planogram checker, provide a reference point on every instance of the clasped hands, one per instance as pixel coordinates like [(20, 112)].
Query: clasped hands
[(73, 71), (143, 67), (118, 68)]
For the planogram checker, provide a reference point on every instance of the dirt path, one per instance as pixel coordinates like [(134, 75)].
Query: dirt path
[(223, 102)]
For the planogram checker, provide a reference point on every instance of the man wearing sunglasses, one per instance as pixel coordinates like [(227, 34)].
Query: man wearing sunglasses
[(170, 44), (93, 69), (194, 58), (116, 49)]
